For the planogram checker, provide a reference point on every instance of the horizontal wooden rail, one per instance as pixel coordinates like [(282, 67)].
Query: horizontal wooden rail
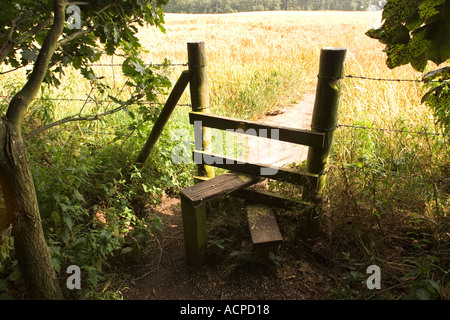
[(255, 169), (271, 199), (298, 136)]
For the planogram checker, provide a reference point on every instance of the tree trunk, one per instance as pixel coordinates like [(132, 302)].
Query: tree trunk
[(22, 211)]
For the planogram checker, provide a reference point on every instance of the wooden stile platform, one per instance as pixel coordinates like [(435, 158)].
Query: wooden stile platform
[(220, 185), (193, 201)]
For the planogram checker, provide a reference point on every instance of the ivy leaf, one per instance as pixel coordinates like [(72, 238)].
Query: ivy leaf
[(427, 8)]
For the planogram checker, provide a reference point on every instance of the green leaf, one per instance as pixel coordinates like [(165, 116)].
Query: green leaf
[(423, 294), (78, 195), (65, 235), (427, 8), (443, 73), (56, 218), (15, 275), (127, 250), (56, 264), (68, 221), (76, 62), (427, 96)]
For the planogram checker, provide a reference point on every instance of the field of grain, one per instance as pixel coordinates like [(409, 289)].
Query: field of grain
[(260, 61)]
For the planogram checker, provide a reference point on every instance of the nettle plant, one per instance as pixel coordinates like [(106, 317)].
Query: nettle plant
[(418, 32)]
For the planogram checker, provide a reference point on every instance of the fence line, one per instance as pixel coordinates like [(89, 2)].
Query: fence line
[(176, 64), (392, 130), (350, 76), (93, 101)]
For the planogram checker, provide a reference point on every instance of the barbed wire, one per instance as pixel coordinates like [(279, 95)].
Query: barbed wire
[(350, 76), (392, 130), (381, 79), (177, 64), (94, 101)]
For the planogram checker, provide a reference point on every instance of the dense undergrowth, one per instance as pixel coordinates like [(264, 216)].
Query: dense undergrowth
[(95, 205)]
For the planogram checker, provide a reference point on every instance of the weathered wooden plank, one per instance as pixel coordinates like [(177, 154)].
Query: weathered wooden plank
[(324, 119), (271, 199), (255, 169), (220, 185), (298, 136), (263, 228)]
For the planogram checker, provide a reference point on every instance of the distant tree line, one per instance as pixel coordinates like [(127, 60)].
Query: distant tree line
[(229, 6)]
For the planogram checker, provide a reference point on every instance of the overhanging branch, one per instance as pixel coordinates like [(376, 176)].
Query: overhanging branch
[(72, 118)]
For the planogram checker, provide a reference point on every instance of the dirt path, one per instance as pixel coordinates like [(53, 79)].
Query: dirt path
[(279, 153), (232, 272)]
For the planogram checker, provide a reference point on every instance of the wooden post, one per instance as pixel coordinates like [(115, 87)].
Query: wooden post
[(324, 119), (200, 98), (195, 234), (164, 116)]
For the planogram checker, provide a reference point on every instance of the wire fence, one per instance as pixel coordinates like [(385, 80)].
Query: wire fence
[(120, 132), (431, 179), (358, 77), (88, 100), (115, 131)]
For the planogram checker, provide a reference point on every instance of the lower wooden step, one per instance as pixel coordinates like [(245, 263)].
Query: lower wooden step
[(266, 236)]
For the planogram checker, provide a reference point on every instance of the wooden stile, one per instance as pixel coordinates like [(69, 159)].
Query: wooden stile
[(263, 227), (262, 222), (324, 119), (194, 211)]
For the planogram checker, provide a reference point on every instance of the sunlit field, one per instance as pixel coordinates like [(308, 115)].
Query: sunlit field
[(259, 61)]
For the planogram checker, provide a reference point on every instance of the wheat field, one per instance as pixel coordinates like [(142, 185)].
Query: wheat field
[(276, 54), (260, 61)]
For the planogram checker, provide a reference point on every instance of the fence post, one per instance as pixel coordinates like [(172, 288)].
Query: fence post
[(199, 91), (324, 119)]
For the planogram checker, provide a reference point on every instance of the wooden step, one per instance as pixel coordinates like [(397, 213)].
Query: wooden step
[(266, 236), (193, 209), (217, 186)]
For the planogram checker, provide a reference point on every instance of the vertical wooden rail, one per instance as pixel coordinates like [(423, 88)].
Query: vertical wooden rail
[(199, 90), (324, 119), (194, 217)]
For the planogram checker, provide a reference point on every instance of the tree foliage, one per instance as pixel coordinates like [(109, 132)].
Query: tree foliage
[(417, 32), (107, 26), (44, 37)]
